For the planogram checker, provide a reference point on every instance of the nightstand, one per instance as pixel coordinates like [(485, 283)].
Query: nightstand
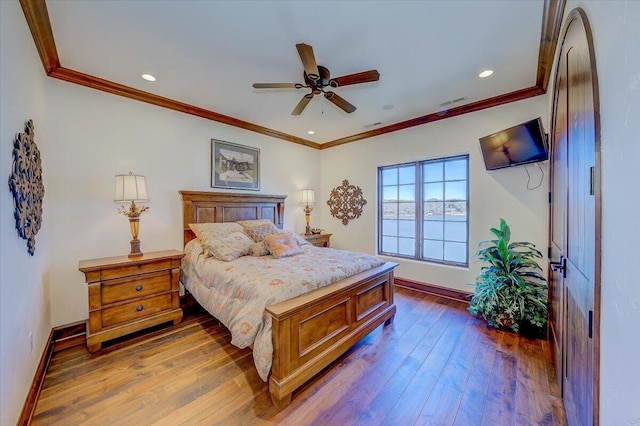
[(318, 240), (131, 294)]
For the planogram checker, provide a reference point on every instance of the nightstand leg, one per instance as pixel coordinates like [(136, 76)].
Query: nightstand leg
[(95, 347)]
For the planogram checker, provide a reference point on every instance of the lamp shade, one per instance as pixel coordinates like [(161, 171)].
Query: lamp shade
[(131, 188), (307, 197)]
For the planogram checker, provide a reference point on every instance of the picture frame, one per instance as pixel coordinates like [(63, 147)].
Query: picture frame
[(234, 166)]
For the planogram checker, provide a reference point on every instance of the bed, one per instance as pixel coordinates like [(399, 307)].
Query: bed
[(311, 330)]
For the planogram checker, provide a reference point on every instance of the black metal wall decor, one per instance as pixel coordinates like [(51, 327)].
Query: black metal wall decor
[(26, 186), (346, 202)]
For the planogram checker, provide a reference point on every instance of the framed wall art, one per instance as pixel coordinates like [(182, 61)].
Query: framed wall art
[(234, 166)]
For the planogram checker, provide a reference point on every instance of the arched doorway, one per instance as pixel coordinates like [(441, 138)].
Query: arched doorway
[(574, 252)]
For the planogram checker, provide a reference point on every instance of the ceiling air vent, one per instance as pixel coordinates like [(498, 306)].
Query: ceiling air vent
[(377, 123), (453, 101)]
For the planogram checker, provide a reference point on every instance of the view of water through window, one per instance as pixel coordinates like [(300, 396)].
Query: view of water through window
[(423, 210)]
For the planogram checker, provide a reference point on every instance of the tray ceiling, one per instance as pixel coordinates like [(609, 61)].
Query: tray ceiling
[(207, 54)]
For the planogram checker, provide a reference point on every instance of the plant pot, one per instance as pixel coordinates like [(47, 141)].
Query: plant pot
[(531, 331)]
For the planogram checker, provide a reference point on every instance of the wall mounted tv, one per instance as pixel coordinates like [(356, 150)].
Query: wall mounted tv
[(521, 144)]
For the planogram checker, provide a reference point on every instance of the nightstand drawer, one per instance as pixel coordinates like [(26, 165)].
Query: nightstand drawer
[(134, 310), (131, 288), (129, 294), (126, 271)]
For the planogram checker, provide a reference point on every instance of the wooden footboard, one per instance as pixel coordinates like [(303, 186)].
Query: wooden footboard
[(314, 329)]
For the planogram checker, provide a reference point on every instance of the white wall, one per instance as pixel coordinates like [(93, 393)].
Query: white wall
[(616, 32), (495, 194), (98, 135), (24, 279), (86, 137)]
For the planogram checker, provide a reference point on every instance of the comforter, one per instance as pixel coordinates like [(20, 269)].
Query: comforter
[(238, 292)]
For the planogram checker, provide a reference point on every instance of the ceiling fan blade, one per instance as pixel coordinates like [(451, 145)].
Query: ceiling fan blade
[(340, 102), (308, 61), (275, 85), (302, 104), (359, 77)]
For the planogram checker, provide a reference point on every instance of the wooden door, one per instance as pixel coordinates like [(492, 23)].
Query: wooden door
[(574, 224), (558, 217)]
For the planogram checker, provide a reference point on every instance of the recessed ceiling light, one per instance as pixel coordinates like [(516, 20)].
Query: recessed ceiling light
[(148, 77), (311, 132), (485, 73)]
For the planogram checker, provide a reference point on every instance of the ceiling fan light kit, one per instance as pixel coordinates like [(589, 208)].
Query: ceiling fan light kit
[(317, 78)]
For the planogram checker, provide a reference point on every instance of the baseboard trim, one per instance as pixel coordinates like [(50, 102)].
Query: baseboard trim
[(69, 335), (61, 337), (36, 385), (435, 290)]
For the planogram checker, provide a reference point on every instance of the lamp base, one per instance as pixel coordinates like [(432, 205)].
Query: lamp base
[(307, 217), (135, 248)]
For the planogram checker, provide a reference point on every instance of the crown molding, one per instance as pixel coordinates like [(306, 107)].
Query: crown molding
[(518, 95), (37, 17), (142, 96), (552, 14)]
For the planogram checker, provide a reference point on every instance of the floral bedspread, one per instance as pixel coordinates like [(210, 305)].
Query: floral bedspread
[(238, 292)]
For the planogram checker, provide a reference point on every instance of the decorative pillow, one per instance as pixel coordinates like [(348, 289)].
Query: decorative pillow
[(192, 250), (229, 248), (258, 229), (298, 239), (213, 231), (259, 249), (282, 245)]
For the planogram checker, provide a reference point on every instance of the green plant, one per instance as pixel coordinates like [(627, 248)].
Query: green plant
[(510, 289)]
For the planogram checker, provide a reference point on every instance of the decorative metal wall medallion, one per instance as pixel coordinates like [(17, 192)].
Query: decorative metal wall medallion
[(26, 186), (346, 201)]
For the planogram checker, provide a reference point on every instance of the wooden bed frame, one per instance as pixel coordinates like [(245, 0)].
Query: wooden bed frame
[(312, 330)]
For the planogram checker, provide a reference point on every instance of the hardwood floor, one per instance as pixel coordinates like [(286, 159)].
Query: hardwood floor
[(435, 365)]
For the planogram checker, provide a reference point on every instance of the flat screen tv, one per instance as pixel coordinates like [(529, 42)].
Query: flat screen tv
[(521, 144)]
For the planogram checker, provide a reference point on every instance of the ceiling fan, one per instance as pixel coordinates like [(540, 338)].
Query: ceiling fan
[(317, 78)]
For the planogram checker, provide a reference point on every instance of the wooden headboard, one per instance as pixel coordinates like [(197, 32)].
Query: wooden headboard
[(204, 207)]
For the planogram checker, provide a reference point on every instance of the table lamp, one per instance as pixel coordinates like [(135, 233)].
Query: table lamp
[(307, 199), (132, 188)]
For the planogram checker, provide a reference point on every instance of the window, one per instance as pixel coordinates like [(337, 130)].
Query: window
[(422, 211)]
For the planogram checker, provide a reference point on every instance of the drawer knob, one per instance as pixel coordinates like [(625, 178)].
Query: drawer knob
[(139, 308), (138, 287)]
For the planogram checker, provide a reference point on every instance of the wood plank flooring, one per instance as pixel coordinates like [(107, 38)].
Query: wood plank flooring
[(435, 365)]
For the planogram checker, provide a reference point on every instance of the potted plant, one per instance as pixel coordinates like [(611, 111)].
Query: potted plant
[(510, 290)]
